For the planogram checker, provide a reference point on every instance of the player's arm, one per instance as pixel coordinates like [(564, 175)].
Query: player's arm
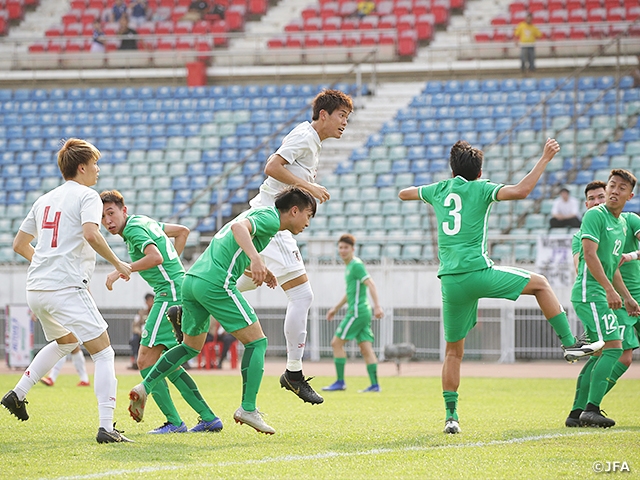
[(179, 233), (276, 169), (576, 261), (525, 186), (333, 310), (152, 258), (590, 253), (259, 273), (22, 244), (377, 309), (410, 193), (91, 233), (629, 302), (629, 256)]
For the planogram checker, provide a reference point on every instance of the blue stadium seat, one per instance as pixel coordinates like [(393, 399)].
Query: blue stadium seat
[(615, 148), (433, 87), (416, 153), (180, 183)]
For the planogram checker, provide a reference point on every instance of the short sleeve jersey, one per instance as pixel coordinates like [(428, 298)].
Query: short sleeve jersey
[(224, 261), (62, 257), (631, 270), (165, 279), (301, 149), (609, 232), (576, 243), (355, 276), (462, 210)]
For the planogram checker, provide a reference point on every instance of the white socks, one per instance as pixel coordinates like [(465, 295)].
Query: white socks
[(40, 365), (105, 386), (55, 371), (79, 363), (295, 324)]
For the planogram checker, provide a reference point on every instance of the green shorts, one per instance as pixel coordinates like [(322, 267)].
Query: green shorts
[(358, 328), (461, 292), (599, 321), (202, 299), (157, 329), (629, 328)]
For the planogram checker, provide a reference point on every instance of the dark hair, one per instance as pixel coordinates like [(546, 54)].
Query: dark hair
[(75, 152), (295, 197), (148, 296), (112, 196), (596, 184), (348, 239), (329, 101), (465, 160), (625, 175)]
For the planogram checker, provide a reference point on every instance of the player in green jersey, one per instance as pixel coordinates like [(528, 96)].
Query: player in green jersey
[(357, 322), (605, 234), (462, 205), (210, 289), (158, 262), (594, 194)]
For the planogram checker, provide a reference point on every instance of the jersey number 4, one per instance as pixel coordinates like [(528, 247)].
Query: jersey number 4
[(53, 224), (453, 198)]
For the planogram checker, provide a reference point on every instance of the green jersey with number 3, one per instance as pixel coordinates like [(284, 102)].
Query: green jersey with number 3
[(166, 278), (462, 210), (609, 232), (224, 261), (631, 270)]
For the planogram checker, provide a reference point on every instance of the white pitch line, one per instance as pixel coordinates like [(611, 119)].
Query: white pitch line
[(320, 456)]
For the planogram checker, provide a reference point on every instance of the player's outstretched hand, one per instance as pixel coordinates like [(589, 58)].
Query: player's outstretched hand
[(613, 300), (259, 272), (550, 149), (378, 312), (111, 279), (319, 192), (271, 280), (124, 269), (633, 309)]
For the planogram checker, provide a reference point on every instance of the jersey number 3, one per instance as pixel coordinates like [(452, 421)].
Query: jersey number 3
[(453, 198), (53, 224)]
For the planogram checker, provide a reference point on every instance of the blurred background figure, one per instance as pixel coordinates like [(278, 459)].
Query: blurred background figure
[(77, 356), (565, 211)]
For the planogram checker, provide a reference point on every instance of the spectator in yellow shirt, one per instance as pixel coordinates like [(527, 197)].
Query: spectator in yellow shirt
[(526, 34)]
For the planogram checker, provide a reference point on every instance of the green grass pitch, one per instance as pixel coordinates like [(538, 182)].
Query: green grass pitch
[(510, 429)]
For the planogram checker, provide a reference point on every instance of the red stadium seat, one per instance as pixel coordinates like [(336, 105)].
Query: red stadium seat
[(331, 23), (558, 16), (616, 14), (560, 32), (15, 10), (201, 27), (312, 24), (146, 28), (387, 21), (54, 31), (348, 8), (554, 5), (402, 7), (421, 7), (369, 38), (540, 17), (164, 28), (406, 22), (332, 40), (598, 31), (89, 15), (537, 5), (185, 43), (235, 18), (350, 23), (78, 4), (71, 17), (384, 8), (219, 32), (369, 22), (597, 15), (518, 6), (518, 17), (296, 25), (311, 12), (579, 15), (111, 28), (574, 5), (633, 13), (500, 35), (166, 44), (329, 9), (56, 46), (407, 44), (591, 4), (351, 39), (457, 4), (258, 7), (294, 41), (75, 45), (501, 19), (278, 42), (314, 40), (73, 29), (181, 28), (484, 36), (38, 47), (441, 13), (579, 33)]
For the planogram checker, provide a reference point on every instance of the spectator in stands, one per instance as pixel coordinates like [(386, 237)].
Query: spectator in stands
[(565, 211), (128, 35), (365, 8), (526, 35), (119, 9), (197, 9), (98, 40), (217, 9), (139, 12), (136, 329)]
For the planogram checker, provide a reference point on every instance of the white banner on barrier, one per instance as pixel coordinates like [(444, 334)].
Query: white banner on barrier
[(554, 259), (18, 336)]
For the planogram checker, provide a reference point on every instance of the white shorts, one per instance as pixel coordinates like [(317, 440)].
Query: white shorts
[(68, 310), (282, 257)]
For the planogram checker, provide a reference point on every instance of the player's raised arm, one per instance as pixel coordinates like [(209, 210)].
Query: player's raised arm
[(410, 193), (275, 168), (525, 186), (242, 233), (178, 232)]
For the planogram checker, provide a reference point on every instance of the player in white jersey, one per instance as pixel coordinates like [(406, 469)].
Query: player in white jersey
[(65, 222), (296, 163)]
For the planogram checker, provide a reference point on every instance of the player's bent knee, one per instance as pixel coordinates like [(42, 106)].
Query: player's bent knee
[(68, 348)]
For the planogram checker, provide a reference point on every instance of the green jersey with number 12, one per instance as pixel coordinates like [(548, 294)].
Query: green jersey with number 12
[(462, 209)]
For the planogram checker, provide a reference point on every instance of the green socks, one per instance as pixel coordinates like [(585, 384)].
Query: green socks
[(601, 373), (372, 370), (560, 325), (189, 391), (618, 371), (163, 399), (582, 385), (252, 372), (451, 404), (169, 361), (340, 363)]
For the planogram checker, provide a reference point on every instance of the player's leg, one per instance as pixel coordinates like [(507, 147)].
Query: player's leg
[(600, 323), (370, 359), (630, 342), (340, 361), (157, 336), (61, 343), (50, 380), (79, 362), (582, 392)]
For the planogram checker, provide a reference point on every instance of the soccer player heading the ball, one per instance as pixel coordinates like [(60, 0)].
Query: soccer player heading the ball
[(209, 289), (158, 261), (296, 163), (462, 205), (66, 223)]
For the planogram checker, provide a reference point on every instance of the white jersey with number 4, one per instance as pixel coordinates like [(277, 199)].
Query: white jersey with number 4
[(301, 149), (62, 258)]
